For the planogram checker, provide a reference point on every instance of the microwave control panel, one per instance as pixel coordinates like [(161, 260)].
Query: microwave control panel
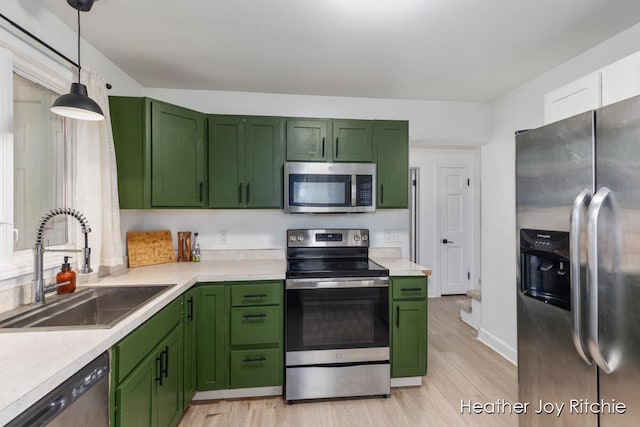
[(364, 190)]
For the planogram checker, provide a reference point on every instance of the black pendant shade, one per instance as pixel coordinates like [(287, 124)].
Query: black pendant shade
[(76, 104)]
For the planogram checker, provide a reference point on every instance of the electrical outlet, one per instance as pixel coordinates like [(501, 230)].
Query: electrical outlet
[(222, 237), (391, 236)]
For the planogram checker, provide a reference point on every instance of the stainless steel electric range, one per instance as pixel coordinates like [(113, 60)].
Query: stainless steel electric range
[(336, 316)]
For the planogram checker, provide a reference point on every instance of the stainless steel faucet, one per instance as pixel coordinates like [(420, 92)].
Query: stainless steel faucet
[(40, 288)]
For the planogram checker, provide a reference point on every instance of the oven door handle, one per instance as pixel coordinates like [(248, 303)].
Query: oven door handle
[(369, 282)]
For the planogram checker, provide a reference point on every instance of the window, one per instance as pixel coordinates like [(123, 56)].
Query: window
[(40, 172)]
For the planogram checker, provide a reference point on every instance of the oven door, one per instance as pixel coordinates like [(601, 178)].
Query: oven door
[(338, 320)]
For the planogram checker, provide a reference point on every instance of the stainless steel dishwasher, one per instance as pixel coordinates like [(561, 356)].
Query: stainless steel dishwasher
[(82, 400)]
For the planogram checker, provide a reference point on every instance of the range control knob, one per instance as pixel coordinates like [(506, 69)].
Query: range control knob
[(300, 237), (365, 237), (292, 238), (356, 237)]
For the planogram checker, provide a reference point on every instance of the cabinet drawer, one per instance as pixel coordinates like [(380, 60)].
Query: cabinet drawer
[(256, 325), (134, 348), (256, 368), (262, 293), (410, 287)]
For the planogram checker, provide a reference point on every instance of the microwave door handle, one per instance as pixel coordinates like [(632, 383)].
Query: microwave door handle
[(575, 281), (354, 190)]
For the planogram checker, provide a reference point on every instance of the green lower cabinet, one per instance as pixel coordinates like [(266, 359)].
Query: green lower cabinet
[(152, 394), (409, 339), (408, 326), (190, 377), (169, 389), (212, 337), (240, 335), (134, 396), (256, 368)]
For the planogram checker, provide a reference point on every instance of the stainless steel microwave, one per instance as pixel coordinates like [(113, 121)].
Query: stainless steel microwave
[(329, 187)]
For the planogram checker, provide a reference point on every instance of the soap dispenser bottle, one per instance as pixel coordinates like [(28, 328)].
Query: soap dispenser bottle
[(66, 275)]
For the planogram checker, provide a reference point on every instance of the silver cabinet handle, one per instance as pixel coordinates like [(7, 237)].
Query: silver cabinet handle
[(592, 278), (574, 256)]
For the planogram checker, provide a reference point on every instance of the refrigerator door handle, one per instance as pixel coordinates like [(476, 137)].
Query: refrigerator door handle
[(579, 204), (592, 278)]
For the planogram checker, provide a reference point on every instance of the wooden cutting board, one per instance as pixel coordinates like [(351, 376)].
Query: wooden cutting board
[(149, 247)]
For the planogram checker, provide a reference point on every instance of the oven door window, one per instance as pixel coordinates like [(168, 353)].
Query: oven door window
[(319, 190), (326, 319)]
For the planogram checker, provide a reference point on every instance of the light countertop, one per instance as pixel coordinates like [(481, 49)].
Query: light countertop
[(35, 362)]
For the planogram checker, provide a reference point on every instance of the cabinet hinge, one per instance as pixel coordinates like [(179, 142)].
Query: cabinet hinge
[(414, 182), (468, 182), (468, 275)]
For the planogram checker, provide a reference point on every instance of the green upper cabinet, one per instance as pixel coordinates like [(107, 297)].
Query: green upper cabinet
[(133, 150), (353, 141), (160, 153), (307, 140), (177, 156), (393, 164), (324, 140), (245, 161), (226, 161)]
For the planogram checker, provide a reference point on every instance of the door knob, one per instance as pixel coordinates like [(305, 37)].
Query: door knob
[(447, 241)]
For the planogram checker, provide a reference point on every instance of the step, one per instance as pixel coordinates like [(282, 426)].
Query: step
[(464, 304), (475, 294)]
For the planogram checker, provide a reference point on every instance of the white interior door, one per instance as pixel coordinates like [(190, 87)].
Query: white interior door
[(455, 229)]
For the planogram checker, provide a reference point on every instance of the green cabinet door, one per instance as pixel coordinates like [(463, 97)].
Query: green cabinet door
[(212, 335), (177, 156), (190, 341), (245, 161), (308, 140), (264, 160), (409, 338), (353, 141), (134, 397), (169, 396), (393, 164), (226, 161)]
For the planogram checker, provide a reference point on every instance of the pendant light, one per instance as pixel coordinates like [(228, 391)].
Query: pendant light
[(76, 104)]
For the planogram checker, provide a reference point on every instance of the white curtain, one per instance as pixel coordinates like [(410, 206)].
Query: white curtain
[(96, 184)]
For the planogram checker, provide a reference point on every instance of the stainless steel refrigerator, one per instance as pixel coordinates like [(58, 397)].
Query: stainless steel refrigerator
[(578, 230)]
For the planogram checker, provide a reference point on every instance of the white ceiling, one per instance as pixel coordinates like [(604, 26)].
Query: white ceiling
[(464, 50)]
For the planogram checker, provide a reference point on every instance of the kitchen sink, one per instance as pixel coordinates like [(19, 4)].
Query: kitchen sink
[(89, 307)]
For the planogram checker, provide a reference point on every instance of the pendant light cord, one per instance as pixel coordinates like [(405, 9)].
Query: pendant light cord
[(79, 66)]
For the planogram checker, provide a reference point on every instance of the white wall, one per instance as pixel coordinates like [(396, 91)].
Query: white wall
[(43, 24), (434, 122), (262, 229), (523, 108)]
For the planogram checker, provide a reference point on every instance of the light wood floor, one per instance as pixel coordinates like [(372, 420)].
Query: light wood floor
[(459, 368)]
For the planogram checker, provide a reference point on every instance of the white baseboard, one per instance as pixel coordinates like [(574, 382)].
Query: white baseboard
[(498, 345), (406, 382), (237, 393)]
